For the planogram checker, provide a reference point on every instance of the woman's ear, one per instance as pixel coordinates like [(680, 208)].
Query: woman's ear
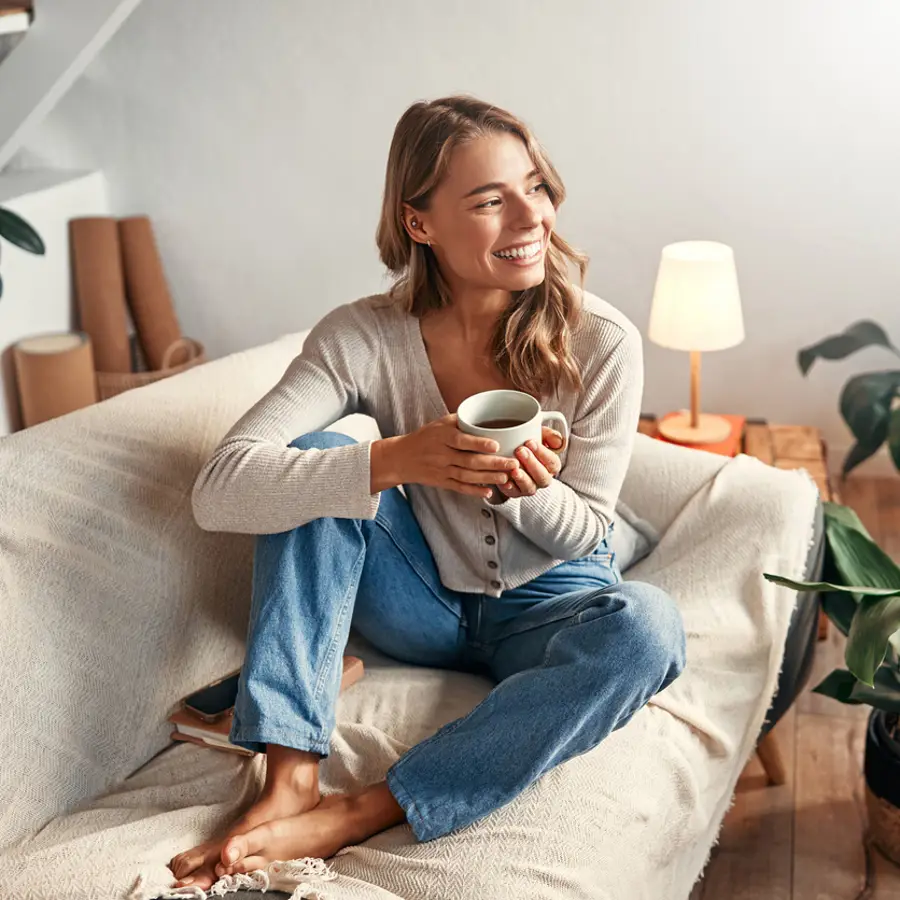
[(414, 225)]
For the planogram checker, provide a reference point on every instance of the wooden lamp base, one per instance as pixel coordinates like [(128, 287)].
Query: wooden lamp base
[(692, 426), (709, 429)]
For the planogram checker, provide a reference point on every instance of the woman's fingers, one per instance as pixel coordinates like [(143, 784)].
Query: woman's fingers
[(478, 476), (534, 468), (484, 462), (547, 458), (471, 490), (551, 438), (521, 485)]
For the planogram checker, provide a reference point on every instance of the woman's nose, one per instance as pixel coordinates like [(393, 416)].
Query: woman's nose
[(526, 215)]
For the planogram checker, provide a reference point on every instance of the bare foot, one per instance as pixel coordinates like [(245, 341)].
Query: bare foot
[(197, 865), (338, 821)]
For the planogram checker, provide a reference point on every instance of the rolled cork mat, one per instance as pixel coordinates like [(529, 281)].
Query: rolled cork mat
[(147, 291), (100, 290), (54, 374)]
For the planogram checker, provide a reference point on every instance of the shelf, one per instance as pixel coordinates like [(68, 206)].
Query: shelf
[(15, 18)]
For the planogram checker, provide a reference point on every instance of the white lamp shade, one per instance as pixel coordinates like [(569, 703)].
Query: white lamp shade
[(696, 302)]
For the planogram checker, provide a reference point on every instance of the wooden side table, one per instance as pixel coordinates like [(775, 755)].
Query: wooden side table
[(785, 447)]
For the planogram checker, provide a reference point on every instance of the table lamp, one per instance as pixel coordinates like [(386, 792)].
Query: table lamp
[(696, 307)]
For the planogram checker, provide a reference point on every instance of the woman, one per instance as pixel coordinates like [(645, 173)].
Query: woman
[(493, 565)]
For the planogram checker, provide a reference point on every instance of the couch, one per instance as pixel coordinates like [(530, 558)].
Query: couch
[(115, 605)]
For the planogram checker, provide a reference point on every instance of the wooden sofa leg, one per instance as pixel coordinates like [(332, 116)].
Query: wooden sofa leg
[(772, 761)]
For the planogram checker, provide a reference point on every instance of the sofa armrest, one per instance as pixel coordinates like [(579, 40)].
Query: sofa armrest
[(663, 477)]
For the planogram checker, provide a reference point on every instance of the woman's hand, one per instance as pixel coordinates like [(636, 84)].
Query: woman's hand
[(440, 455), (540, 465)]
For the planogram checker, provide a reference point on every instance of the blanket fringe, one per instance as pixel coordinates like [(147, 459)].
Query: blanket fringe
[(281, 875)]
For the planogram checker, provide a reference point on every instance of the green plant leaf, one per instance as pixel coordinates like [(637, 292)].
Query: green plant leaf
[(846, 515), (859, 335), (841, 685), (875, 622), (17, 231), (840, 607), (861, 561), (829, 586), (838, 685), (866, 408), (855, 455), (875, 576), (894, 436)]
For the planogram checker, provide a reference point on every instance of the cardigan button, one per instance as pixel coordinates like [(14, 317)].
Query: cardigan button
[(490, 539), (495, 584), (492, 564), (486, 513)]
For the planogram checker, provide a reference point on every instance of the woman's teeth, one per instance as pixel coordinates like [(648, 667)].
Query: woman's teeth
[(526, 252)]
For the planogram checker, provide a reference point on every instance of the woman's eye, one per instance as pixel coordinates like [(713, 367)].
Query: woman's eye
[(490, 203)]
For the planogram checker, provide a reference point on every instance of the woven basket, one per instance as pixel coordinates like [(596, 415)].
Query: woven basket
[(111, 383)]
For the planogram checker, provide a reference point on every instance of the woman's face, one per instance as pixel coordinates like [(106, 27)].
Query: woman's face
[(490, 219)]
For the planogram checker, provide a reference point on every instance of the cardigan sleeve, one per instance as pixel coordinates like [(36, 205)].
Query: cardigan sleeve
[(255, 482)]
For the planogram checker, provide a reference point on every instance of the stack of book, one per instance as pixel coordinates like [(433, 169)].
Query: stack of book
[(214, 733)]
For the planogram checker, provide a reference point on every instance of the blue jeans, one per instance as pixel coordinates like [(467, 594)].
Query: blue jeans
[(575, 653)]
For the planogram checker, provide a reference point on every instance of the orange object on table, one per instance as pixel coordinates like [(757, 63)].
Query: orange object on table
[(731, 446)]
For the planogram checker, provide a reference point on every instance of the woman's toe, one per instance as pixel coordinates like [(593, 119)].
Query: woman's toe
[(203, 878), (249, 864), (242, 845), (185, 863)]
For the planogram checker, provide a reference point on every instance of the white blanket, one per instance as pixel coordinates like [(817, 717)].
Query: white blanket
[(115, 605)]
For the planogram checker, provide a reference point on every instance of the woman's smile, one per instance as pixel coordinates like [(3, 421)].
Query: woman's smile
[(522, 255)]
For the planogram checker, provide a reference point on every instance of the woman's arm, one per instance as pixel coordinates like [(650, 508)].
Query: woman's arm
[(571, 516), (254, 482)]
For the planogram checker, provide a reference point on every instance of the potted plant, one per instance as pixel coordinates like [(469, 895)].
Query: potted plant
[(861, 596), (17, 231), (870, 403)]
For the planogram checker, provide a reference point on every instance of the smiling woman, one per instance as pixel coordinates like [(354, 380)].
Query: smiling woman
[(484, 562)]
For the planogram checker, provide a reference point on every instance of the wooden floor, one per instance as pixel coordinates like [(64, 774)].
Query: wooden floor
[(805, 840)]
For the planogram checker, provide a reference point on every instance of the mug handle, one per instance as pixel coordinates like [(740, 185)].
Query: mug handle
[(553, 416)]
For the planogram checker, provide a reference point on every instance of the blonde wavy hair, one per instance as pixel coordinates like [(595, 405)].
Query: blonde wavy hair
[(531, 343)]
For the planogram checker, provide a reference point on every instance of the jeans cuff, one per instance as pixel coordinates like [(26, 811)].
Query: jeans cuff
[(419, 827), (255, 737)]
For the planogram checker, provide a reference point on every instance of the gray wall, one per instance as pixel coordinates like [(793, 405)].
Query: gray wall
[(255, 136)]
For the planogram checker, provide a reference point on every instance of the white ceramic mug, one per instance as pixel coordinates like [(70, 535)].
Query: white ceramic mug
[(521, 411)]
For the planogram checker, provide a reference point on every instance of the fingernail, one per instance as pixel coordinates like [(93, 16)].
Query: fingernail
[(531, 445), (231, 855), (182, 881)]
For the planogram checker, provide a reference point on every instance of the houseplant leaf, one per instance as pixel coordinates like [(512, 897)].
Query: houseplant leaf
[(838, 346), (861, 561), (866, 408), (829, 586), (894, 436), (841, 685), (840, 607), (17, 231), (875, 621), (846, 515)]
